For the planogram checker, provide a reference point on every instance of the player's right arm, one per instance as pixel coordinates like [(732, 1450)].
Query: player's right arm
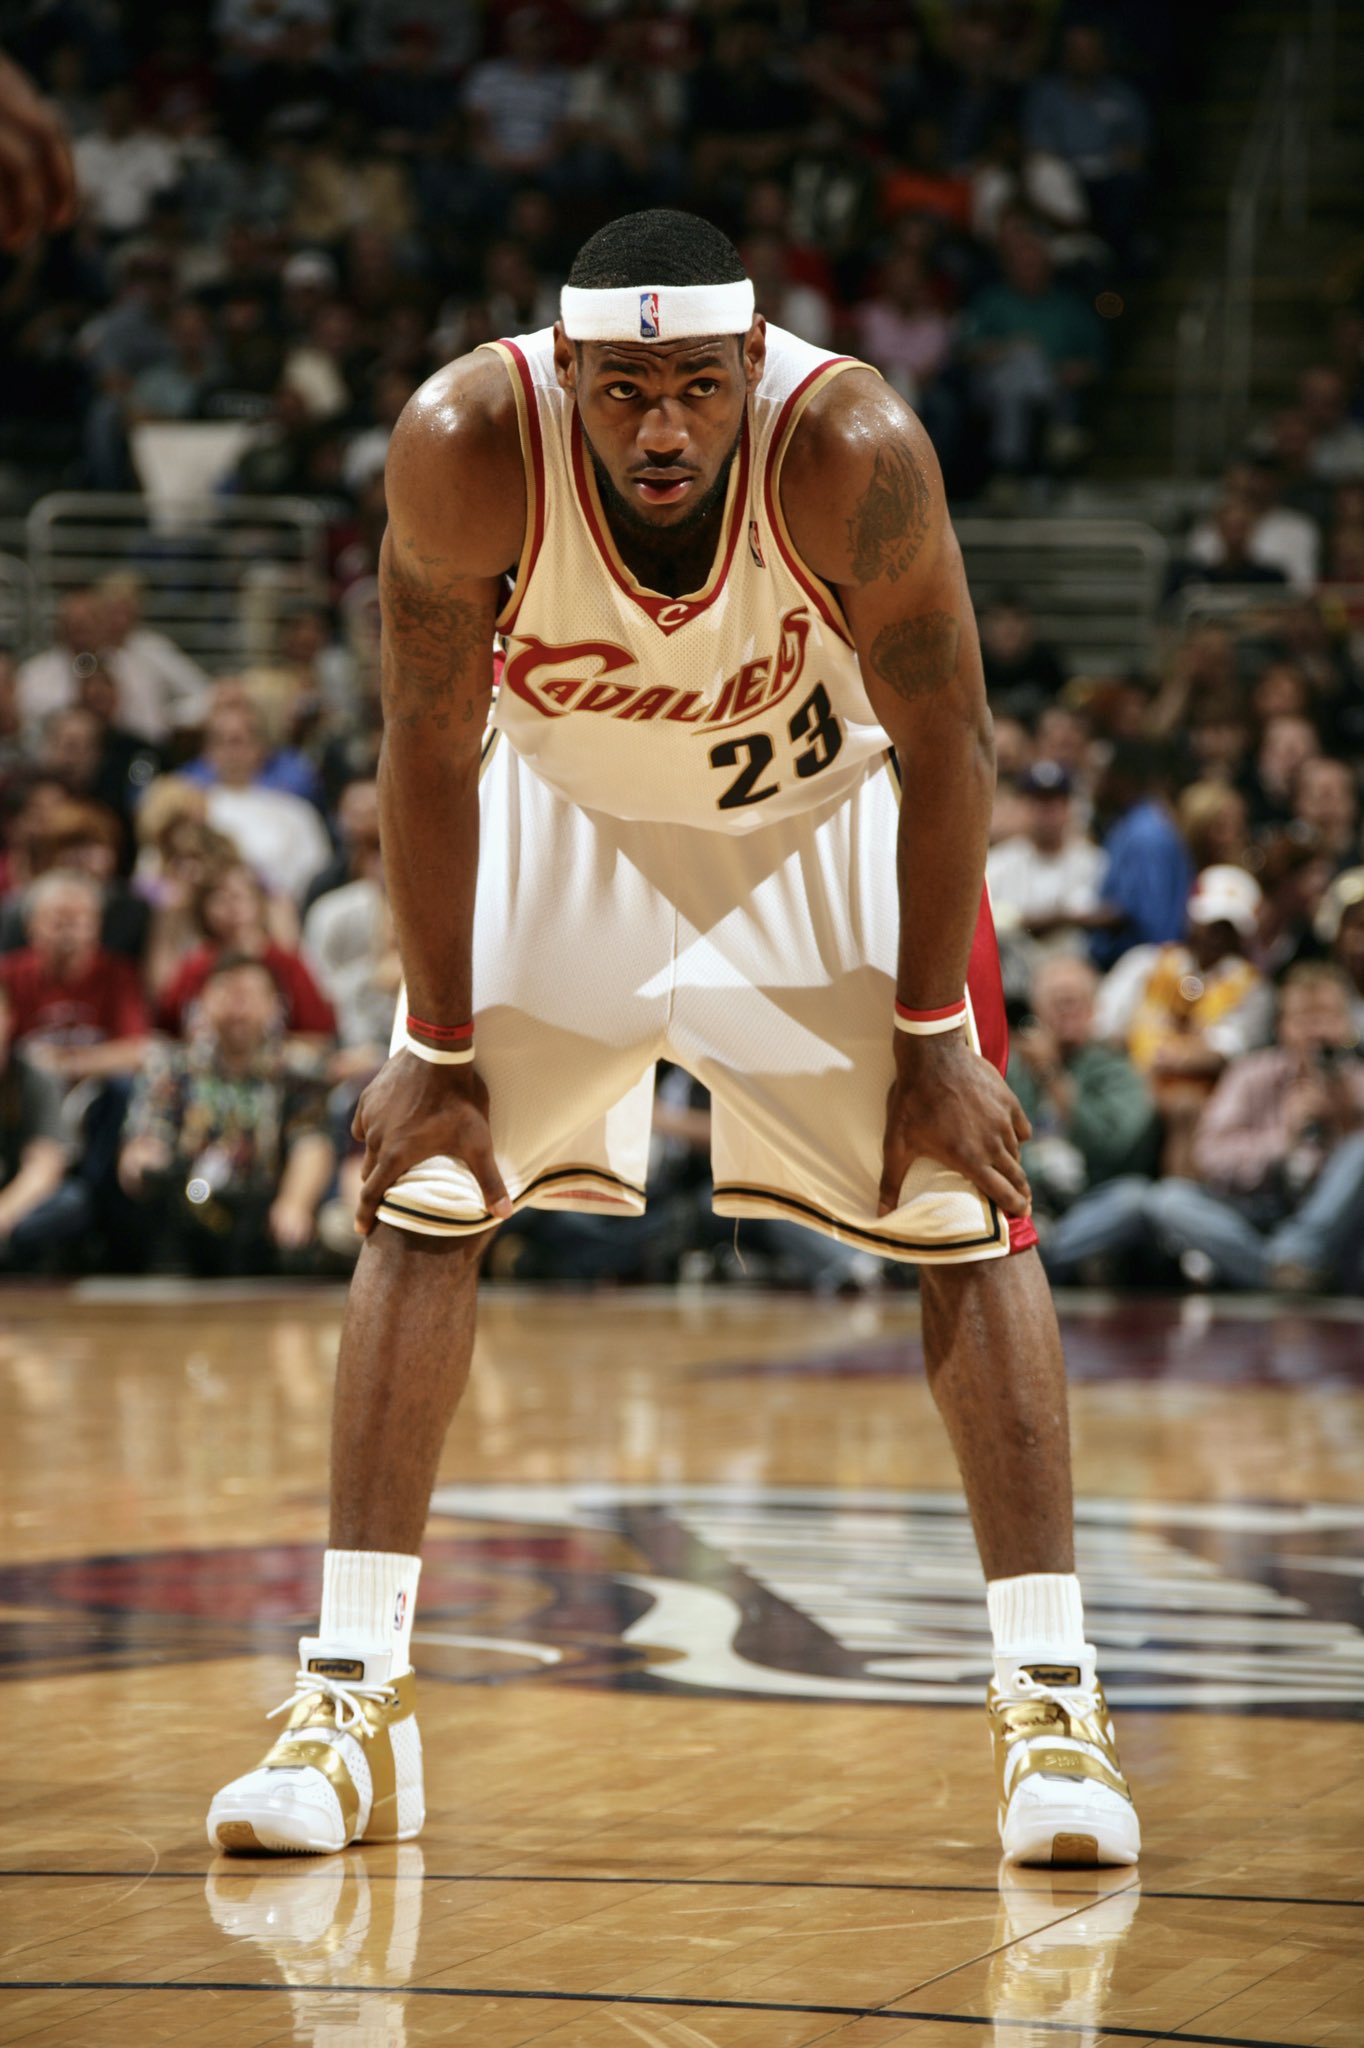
[(456, 514)]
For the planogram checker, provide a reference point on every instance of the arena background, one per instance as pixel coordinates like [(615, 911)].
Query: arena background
[(1114, 257)]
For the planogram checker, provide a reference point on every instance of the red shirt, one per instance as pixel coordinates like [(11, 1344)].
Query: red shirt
[(103, 1003), (305, 1006)]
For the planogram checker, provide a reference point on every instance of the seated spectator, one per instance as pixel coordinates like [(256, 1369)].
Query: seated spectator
[(121, 166), (1145, 888), (903, 330), (784, 299), (1340, 925), (1286, 742), (357, 821), (1278, 1198), (1232, 559), (277, 832), (226, 1137), (231, 912), (87, 840), (1014, 754), (1215, 824), (120, 763), (1280, 538), (519, 102), (1335, 440), (1023, 672), (747, 106), (1096, 1135), (47, 681), (1035, 347), (1294, 874), (77, 1009), (177, 386), (1044, 883), (157, 686), (33, 1153), (1096, 123), (1184, 1010), (1326, 801), (348, 939)]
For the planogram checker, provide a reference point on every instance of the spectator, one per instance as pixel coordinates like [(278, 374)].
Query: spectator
[(1335, 441), (1145, 887), (125, 763), (176, 386), (357, 822), (1096, 1135), (77, 1010), (785, 300), (348, 937), (1035, 348), (1215, 825), (1340, 925), (1045, 882), (226, 1137), (33, 1152), (1098, 125), (1280, 538), (121, 166), (747, 106), (231, 913), (1294, 875), (1287, 742), (1279, 1156), (1231, 559), (158, 687), (519, 102), (1023, 672), (83, 838), (279, 834), (47, 681), (1184, 1010), (1326, 801), (905, 333)]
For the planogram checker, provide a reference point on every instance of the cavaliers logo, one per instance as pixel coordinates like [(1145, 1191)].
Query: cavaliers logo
[(821, 1595), (601, 679)]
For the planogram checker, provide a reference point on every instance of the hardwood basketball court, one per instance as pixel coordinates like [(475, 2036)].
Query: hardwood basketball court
[(703, 1650)]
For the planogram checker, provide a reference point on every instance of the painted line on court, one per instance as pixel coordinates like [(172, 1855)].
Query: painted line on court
[(654, 2003)]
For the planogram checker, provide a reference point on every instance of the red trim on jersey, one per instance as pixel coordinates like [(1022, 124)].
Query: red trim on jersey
[(818, 592), (654, 602), (529, 411), (985, 986)]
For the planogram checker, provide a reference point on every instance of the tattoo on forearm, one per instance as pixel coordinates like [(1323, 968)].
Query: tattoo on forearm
[(890, 521), (429, 640), (917, 656)]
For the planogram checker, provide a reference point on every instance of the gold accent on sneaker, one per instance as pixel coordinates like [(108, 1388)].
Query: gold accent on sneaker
[(1015, 1721), (377, 1719)]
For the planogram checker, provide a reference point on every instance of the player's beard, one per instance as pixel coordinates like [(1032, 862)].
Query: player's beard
[(663, 540)]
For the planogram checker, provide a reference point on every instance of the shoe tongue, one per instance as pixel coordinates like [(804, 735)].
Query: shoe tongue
[(345, 1663), (1057, 1674)]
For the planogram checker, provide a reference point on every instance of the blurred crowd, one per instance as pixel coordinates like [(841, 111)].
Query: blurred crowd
[(293, 210)]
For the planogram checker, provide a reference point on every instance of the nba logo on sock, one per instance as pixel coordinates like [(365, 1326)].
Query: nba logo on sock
[(399, 1613), (648, 316)]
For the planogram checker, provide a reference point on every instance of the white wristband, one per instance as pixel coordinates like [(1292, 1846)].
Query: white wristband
[(928, 1027), (462, 1058)]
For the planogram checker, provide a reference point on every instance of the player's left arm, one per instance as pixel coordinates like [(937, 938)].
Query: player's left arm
[(863, 499)]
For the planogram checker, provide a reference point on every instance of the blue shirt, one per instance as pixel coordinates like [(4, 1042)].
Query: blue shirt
[(286, 769), (1090, 126), (1148, 878)]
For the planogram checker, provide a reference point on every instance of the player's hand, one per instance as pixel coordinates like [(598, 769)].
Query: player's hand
[(949, 1104), (413, 1110), (37, 177)]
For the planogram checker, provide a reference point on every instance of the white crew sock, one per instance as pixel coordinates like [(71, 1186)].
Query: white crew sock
[(369, 1598), (1038, 1618)]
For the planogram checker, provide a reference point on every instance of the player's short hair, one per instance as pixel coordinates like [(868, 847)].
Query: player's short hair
[(659, 245)]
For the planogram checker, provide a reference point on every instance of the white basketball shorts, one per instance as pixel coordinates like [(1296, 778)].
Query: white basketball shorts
[(762, 962)]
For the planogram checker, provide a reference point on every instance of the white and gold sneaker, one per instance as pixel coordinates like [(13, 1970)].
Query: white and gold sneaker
[(1062, 1796), (348, 1767)]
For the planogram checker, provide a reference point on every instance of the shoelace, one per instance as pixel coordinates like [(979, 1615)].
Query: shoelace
[(344, 1696), (1078, 1704)]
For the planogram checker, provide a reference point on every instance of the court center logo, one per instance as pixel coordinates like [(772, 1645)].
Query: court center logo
[(748, 1592)]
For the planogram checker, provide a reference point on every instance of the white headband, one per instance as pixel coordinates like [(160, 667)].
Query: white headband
[(659, 312)]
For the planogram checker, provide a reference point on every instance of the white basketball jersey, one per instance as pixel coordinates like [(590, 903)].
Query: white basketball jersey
[(735, 705)]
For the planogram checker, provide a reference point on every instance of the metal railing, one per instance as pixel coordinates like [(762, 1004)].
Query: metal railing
[(1215, 332), (1094, 586), (215, 576)]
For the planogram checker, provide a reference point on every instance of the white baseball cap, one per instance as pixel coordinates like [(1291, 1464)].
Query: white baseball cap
[(1226, 895)]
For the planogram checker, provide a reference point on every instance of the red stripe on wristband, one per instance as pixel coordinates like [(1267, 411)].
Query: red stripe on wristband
[(443, 1034), (957, 1009)]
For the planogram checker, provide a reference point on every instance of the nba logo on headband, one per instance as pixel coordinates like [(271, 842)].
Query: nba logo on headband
[(648, 316)]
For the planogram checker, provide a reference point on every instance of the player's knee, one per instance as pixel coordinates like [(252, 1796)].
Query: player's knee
[(413, 1247)]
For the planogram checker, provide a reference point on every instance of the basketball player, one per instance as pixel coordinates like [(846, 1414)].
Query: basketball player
[(722, 569)]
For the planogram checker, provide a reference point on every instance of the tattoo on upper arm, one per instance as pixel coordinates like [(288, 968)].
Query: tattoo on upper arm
[(916, 657), (890, 520), (429, 639)]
